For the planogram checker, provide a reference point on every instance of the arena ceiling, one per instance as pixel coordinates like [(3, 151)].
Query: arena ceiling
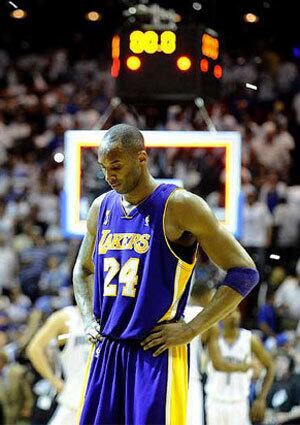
[(61, 23)]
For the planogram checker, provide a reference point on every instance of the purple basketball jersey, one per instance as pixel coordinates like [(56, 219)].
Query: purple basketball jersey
[(139, 279)]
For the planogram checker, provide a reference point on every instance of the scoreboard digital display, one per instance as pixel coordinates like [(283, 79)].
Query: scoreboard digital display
[(151, 42), (174, 65)]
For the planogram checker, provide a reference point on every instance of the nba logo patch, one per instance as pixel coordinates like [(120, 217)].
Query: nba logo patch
[(106, 220), (147, 220), (97, 352)]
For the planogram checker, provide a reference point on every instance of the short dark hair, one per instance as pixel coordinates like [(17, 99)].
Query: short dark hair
[(126, 135)]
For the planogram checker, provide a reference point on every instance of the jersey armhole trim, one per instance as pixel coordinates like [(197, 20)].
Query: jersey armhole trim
[(103, 197), (184, 264)]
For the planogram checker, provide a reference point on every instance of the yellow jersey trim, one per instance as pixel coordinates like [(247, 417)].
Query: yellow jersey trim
[(182, 275), (189, 266)]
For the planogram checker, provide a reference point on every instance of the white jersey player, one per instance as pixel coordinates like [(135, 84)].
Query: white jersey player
[(229, 375), (200, 296), (64, 326), (195, 413)]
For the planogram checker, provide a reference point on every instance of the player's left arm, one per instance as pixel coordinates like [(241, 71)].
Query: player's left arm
[(259, 405), (189, 213), (36, 351)]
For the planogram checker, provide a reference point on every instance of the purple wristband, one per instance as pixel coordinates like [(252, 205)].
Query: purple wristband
[(241, 279)]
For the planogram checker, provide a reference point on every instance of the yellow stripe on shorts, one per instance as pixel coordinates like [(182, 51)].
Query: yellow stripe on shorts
[(177, 386), (84, 384)]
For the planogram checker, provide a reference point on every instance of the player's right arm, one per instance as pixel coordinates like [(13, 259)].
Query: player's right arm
[(219, 363), (36, 350), (258, 407), (83, 273)]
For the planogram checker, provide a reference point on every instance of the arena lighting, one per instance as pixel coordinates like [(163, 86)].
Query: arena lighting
[(13, 4), (77, 141), (115, 54), (183, 63), (115, 68), (251, 18), (197, 6), (18, 14), (177, 18), (204, 65), (251, 86), (210, 46), (59, 157), (218, 71), (93, 16), (133, 63), (132, 10), (275, 257)]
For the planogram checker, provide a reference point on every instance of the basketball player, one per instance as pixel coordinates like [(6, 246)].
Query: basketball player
[(142, 238), (200, 296), (64, 326), (229, 375)]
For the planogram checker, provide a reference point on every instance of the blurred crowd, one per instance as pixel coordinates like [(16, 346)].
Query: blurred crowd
[(42, 96)]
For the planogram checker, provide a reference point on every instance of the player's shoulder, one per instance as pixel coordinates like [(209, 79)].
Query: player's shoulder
[(187, 205), (246, 335), (69, 310), (246, 331), (182, 198), (98, 201), (94, 212), (57, 322)]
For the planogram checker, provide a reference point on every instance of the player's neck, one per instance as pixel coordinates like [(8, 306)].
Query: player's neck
[(231, 334), (145, 187)]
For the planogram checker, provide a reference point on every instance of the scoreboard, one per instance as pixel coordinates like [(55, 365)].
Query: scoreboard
[(180, 64)]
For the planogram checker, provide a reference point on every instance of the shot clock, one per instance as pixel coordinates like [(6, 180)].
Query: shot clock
[(170, 65)]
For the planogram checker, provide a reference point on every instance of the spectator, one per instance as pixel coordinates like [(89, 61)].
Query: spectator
[(287, 297), (19, 306), (256, 237), (267, 319), (287, 226), (272, 191), (284, 396), (47, 203), (277, 276), (53, 278), (270, 151), (257, 232), (16, 396), (32, 264), (177, 119), (7, 265), (6, 221)]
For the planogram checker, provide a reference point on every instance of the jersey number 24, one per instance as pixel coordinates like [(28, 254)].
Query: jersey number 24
[(127, 275)]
